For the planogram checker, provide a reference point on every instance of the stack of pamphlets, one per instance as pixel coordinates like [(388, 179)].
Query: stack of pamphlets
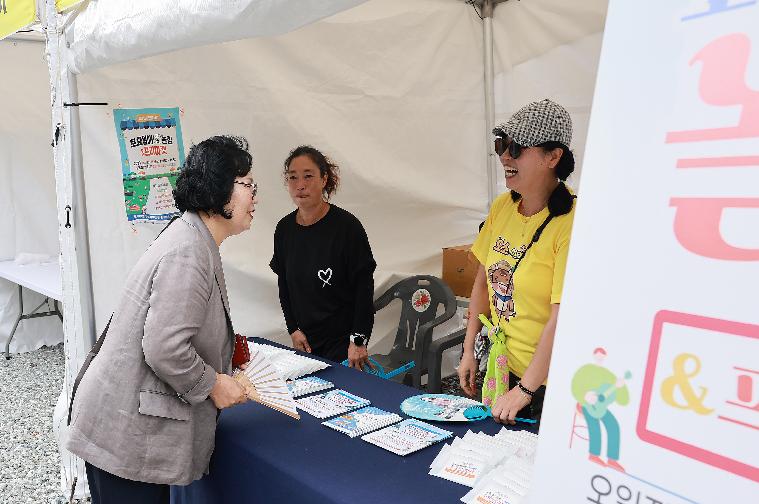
[(360, 422), (525, 442), (308, 385), (497, 468), (407, 437), (506, 483), (334, 402)]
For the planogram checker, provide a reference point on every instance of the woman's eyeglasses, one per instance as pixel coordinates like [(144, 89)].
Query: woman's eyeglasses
[(503, 144), (253, 187)]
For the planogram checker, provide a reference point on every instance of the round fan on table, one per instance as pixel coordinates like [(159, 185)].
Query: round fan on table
[(444, 408)]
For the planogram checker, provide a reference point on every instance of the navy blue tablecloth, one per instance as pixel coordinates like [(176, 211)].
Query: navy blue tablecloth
[(265, 456)]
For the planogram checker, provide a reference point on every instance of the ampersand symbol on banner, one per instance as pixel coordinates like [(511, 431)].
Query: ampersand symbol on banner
[(680, 379)]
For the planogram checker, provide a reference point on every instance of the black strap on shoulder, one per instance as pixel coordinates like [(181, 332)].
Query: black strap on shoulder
[(167, 226), (91, 355), (96, 347), (535, 238)]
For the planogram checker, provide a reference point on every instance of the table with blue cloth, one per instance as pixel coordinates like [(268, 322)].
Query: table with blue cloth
[(265, 456)]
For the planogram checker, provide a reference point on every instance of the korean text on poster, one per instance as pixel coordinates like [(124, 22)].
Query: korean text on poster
[(152, 154)]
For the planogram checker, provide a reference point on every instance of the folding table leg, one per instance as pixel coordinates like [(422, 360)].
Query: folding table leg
[(13, 331)]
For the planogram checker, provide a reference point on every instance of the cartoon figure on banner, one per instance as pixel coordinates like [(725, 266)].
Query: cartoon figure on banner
[(502, 282), (2, 4), (596, 388), (421, 300)]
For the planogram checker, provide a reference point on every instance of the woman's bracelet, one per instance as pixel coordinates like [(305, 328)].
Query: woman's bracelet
[(526, 396), (525, 390)]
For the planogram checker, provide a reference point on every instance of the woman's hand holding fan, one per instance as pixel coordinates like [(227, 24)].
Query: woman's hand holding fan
[(263, 384)]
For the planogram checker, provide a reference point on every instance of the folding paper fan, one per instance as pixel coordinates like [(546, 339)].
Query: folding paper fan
[(288, 364), (263, 384), (293, 366)]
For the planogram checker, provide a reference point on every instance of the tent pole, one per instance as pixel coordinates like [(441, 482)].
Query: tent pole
[(487, 34), (76, 278), (81, 231)]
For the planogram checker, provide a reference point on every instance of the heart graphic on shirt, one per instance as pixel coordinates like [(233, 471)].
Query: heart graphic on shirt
[(325, 276)]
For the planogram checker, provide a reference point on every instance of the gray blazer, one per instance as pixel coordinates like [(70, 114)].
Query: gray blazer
[(142, 410)]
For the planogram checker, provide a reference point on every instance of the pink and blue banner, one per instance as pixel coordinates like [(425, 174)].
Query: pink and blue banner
[(653, 392)]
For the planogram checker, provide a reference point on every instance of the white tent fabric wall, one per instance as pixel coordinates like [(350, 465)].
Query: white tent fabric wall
[(105, 32), (548, 49), (401, 113), (27, 186)]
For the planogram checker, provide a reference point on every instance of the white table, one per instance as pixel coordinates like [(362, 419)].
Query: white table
[(42, 278)]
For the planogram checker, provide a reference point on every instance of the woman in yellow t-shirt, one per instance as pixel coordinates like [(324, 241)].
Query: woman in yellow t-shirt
[(522, 249)]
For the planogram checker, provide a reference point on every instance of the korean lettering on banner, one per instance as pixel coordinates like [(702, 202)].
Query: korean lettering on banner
[(602, 487), (15, 15), (152, 153), (702, 372)]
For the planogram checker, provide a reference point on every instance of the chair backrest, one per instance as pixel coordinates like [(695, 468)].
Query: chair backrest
[(421, 297)]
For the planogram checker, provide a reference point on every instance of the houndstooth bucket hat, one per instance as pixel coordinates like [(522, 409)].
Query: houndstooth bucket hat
[(536, 123)]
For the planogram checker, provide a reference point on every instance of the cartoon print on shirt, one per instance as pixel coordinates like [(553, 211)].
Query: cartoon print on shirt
[(502, 283), (503, 247)]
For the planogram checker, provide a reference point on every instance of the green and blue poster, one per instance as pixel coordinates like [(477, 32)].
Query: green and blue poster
[(152, 153)]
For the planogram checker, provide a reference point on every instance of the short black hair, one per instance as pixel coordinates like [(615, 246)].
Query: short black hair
[(207, 177), (326, 167)]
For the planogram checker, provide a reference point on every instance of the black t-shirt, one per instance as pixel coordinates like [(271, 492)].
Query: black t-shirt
[(326, 279)]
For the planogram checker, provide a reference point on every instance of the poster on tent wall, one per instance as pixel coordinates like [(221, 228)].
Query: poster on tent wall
[(152, 154), (15, 15), (653, 391)]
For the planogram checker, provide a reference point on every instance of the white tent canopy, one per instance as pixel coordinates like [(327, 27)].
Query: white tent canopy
[(27, 188), (110, 32), (393, 90), (402, 114)]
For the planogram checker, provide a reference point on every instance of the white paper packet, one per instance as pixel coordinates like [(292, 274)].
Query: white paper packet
[(491, 492)]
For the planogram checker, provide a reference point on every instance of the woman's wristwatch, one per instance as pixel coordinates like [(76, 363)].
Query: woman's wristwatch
[(359, 339)]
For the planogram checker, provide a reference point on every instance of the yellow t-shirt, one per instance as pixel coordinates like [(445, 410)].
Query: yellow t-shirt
[(522, 307)]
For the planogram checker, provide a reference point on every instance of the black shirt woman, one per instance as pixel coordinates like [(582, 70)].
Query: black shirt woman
[(324, 264)]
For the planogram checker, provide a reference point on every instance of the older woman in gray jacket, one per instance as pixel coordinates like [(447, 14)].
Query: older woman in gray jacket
[(144, 415)]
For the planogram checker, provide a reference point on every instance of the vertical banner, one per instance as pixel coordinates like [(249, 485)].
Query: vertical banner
[(15, 15), (653, 392), (62, 5), (152, 154)]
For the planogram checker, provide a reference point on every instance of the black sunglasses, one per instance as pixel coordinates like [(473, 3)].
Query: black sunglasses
[(502, 144)]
